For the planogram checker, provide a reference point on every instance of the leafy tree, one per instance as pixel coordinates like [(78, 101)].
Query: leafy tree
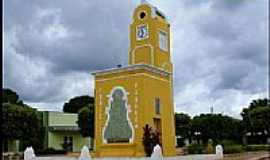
[(10, 96), (21, 123), (261, 118), (86, 121), (256, 118), (76, 103), (216, 127), (183, 125)]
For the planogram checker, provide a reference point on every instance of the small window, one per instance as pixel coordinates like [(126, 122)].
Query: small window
[(163, 41), (68, 143), (142, 15), (157, 105)]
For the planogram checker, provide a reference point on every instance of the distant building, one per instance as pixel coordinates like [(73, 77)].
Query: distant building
[(62, 132)]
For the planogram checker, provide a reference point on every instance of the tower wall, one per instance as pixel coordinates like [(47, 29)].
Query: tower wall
[(149, 45), (147, 91)]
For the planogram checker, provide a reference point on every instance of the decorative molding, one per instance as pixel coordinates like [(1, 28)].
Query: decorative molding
[(136, 85), (136, 99), (133, 67), (134, 75), (100, 99), (145, 45)]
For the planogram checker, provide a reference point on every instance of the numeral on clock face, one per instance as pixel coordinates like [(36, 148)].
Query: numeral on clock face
[(142, 32)]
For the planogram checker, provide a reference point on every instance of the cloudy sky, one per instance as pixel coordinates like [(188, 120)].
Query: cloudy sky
[(219, 49)]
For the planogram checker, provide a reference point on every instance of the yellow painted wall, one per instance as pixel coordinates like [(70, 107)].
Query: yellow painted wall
[(161, 89), (142, 87)]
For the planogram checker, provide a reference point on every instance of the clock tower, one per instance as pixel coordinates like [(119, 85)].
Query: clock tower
[(150, 38), (131, 97)]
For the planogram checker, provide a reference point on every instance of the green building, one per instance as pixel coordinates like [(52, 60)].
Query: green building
[(62, 132)]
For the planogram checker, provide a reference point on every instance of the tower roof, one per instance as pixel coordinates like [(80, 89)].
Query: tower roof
[(155, 10)]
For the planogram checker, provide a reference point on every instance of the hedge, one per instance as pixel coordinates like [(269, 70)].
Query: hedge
[(50, 151), (257, 147)]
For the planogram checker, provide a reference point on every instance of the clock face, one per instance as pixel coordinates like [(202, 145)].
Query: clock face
[(142, 32)]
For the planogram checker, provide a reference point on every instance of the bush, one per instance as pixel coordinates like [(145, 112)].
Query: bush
[(234, 148), (228, 142), (230, 146), (195, 149), (256, 147), (50, 151), (150, 139), (180, 142)]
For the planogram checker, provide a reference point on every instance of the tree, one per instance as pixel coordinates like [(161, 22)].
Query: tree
[(76, 103), (10, 96), (183, 125), (260, 118), (21, 123), (256, 119), (86, 121), (216, 127)]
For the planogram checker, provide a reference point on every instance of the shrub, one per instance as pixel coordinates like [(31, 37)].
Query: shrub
[(234, 148), (195, 149), (230, 146), (50, 151), (228, 142), (180, 142), (150, 139), (256, 147)]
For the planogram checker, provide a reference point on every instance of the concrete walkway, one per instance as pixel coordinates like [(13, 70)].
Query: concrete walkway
[(56, 158), (189, 157)]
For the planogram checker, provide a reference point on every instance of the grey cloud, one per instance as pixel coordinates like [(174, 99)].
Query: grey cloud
[(97, 34), (219, 49), (220, 4), (232, 74), (228, 4), (223, 45)]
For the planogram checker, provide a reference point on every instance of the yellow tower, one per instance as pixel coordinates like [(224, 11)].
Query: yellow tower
[(150, 38), (128, 98)]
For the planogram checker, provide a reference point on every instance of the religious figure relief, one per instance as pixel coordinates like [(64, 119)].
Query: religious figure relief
[(118, 128)]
